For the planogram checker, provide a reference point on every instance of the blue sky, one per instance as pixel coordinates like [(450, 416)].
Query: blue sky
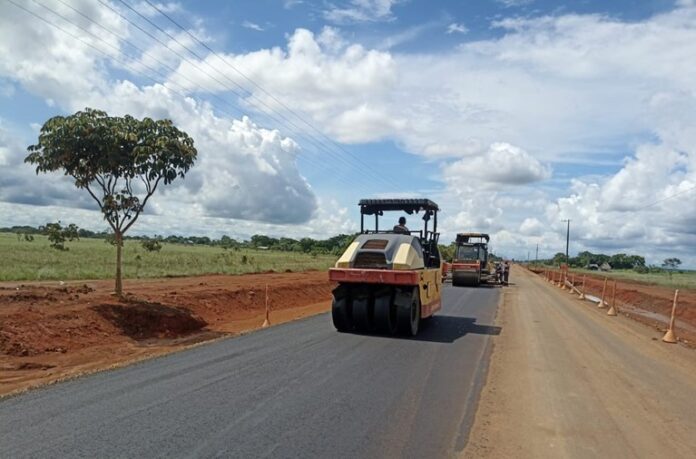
[(512, 114)]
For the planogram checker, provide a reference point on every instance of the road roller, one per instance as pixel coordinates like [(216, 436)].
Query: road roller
[(470, 266), (389, 280)]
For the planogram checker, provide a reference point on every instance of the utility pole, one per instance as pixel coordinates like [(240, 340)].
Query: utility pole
[(536, 258), (567, 241)]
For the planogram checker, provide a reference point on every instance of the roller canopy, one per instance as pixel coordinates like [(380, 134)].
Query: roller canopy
[(377, 206), (464, 237)]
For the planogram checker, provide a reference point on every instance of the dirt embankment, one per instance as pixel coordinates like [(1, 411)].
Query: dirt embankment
[(649, 304), (49, 331)]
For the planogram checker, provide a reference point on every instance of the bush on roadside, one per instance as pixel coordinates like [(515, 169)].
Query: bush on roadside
[(151, 245), (58, 235), (641, 269)]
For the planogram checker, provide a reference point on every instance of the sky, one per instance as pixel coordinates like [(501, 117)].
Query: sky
[(512, 115)]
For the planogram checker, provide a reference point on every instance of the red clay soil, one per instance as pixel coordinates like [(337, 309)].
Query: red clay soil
[(634, 299), (50, 332)]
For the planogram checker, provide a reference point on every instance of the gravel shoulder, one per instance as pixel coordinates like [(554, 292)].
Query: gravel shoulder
[(566, 380)]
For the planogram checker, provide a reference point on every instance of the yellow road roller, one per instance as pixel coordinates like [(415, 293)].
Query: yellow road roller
[(389, 280)]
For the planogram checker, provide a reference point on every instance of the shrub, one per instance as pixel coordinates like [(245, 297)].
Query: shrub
[(58, 235), (151, 245)]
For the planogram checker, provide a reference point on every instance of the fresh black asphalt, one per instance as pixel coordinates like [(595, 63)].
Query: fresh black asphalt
[(295, 390)]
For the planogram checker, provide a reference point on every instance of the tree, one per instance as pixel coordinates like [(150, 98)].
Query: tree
[(151, 245), (671, 263), (119, 161), (558, 259), (57, 234)]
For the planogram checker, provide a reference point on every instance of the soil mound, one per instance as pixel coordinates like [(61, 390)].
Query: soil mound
[(143, 320)]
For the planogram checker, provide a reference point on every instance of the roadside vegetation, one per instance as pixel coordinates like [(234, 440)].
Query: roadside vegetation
[(91, 258), (627, 267), (677, 279)]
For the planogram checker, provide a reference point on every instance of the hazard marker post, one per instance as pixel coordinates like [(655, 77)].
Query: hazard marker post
[(670, 337), (612, 309), (604, 291), (267, 321)]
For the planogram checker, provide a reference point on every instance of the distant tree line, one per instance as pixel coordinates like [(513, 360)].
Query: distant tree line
[(586, 259), (332, 246), (617, 261)]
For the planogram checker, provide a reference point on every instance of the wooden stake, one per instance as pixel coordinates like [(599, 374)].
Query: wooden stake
[(612, 309), (267, 322), (669, 335), (604, 291)]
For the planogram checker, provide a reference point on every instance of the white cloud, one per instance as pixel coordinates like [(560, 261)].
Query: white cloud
[(514, 3), (253, 26), (502, 164), (361, 11), (243, 170), (457, 28), (54, 65), (146, 9), (289, 4), (531, 227), (322, 77), (20, 184), (490, 191), (407, 35)]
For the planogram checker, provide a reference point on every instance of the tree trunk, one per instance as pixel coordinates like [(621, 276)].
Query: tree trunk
[(119, 276)]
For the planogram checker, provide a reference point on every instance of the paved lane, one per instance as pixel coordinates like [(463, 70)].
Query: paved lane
[(295, 390)]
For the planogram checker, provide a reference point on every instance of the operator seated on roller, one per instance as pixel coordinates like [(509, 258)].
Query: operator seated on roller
[(401, 227)]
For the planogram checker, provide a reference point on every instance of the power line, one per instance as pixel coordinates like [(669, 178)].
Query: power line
[(258, 86), (367, 169), (668, 197), (310, 139), (316, 164), (127, 65)]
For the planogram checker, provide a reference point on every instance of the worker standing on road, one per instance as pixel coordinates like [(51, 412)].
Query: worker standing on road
[(498, 272), (401, 227), (506, 272)]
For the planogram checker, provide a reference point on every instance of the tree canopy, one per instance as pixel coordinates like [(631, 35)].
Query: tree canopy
[(671, 263), (120, 161)]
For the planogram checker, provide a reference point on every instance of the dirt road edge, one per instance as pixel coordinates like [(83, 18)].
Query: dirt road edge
[(471, 418), (288, 316)]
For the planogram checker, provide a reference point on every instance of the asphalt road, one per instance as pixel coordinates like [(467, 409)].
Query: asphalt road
[(296, 390)]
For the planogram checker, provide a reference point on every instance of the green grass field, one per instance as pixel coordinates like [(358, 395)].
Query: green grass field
[(95, 259), (684, 279)]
